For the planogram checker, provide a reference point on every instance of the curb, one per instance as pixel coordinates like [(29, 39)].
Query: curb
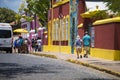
[(45, 55), (80, 63), (94, 67)]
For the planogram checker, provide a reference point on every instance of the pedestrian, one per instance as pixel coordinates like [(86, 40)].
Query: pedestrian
[(86, 44), (25, 46), (39, 44), (33, 44), (29, 44), (15, 45), (36, 45), (78, 45), (20, 43)]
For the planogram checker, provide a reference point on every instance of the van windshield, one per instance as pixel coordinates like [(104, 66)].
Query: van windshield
[(5, 33)]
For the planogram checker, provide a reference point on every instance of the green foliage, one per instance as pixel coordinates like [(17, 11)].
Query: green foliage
[(29, 19), (40, 8), (7, 15), (18, 17), (18, 24), (21, 9), (113, 5), (101, 14)]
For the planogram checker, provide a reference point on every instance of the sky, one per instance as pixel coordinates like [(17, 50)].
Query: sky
[(15, 4), (92, 5), (11, 4)]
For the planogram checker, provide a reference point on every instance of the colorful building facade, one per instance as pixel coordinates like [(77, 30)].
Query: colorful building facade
[(32, 27), (106, 39), (65, 22)]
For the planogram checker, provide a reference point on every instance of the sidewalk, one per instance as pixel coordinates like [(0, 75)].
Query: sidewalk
[(112, 67)]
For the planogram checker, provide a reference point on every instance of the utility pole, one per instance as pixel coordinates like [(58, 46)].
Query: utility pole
[(35, 22)]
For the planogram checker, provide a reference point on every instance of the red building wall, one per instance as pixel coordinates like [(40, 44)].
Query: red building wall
[(64, 10), (81, 9), (117, 36), (55, 12), (105, 36), (81, 32), (45, 39)]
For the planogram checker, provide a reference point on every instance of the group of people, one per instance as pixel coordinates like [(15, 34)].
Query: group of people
[(36, 44), (85, 43), (23, 45)]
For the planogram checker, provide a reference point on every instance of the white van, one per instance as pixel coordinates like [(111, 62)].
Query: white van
[(6, 37)]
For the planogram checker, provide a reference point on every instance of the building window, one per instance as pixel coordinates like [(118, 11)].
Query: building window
[(67, 28), (60, 31), (57, 32), (53, 32), (63, 30)]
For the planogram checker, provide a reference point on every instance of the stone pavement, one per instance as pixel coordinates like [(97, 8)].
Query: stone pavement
[(109, 66)]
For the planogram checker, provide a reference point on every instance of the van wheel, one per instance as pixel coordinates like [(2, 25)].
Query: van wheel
[(7, 51), (10, 50)]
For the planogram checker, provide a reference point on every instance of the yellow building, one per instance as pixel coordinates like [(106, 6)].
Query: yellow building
[(65, 20), (60, 24)]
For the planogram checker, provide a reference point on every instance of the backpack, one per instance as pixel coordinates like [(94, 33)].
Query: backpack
[(15, 43), (19, 42)]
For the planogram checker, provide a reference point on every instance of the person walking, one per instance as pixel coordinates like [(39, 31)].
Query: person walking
[(86, 44), (33, 44), (15, 46), (36, 45), (78, 45), (39, 43), (26, 46), (20, 43)]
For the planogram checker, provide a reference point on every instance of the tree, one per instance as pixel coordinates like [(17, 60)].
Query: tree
[(7, 15), (113, 6), (40, 8), (21, 8), (101, 14)]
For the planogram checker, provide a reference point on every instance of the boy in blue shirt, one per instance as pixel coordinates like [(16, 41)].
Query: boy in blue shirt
[(86, 44)]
